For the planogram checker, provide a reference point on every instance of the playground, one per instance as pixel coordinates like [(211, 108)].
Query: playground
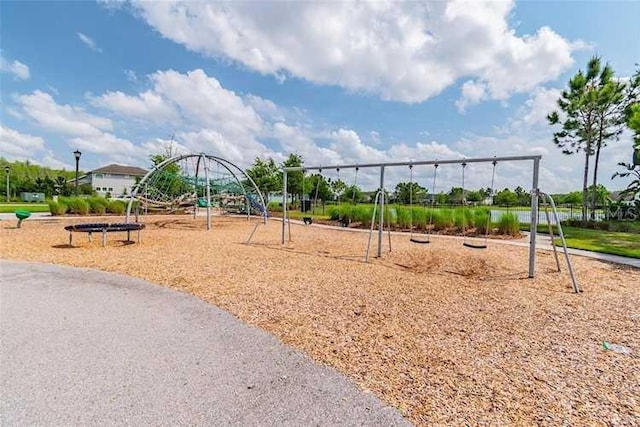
[(443, 332)]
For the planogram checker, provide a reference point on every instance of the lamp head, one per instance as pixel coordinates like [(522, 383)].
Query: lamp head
[(77, 154)]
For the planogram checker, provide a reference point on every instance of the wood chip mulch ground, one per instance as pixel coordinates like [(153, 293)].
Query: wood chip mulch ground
[(447, 334)]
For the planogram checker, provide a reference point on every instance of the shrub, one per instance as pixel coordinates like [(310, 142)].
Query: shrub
[(482, 221), (274, 206), (361, 214), (57, 208), (420, 217), (404, 217), (78, 206), (509, 224), (442, 219), (98, 205), (462, 218), (116, 207)]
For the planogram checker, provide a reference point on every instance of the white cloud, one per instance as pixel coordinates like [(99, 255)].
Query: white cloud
[(131, 75), (19, 70), (404, 51), (51, 160), (64, 119), (89, 42), (472, 93), (147, 105), (14, 144), (541, 102)]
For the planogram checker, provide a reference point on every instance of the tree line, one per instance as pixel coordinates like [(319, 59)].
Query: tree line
[(26, 177), (267, 174)]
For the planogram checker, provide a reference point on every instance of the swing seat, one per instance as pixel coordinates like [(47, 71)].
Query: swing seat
[(471, 245), (419, 241), (307, 220)]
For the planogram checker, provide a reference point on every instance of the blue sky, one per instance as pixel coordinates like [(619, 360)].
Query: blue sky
[(334, 81)]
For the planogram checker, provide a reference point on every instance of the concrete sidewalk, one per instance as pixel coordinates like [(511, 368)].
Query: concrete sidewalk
[(85, 347)]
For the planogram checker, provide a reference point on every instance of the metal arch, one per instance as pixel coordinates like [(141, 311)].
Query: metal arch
[(144, 179), (219, 160), (224, 162)]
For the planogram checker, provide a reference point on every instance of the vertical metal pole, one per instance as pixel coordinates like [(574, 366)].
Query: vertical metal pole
[(534, 218), (380, 222), (373, 220), (8, 195), (284, 203), (208, 191), (77, 173)]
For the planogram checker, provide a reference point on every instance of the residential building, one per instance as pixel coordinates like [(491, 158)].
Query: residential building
[(113, 180)]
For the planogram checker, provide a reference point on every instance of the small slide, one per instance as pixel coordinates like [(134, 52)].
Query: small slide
[(255, 204)]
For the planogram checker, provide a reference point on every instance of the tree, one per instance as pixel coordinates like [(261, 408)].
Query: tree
[(267, 176), (317, 185), (524, 198), (592, 108), (474, 196), (338, 187), (632, 169), (294, 179), (353, 194), (410, 192), (505, 197), (574, 198), (156, 159), (455, 195), (601, 194)]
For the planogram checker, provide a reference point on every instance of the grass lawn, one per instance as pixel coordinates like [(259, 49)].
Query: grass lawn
[(31, 207), (608, 242)]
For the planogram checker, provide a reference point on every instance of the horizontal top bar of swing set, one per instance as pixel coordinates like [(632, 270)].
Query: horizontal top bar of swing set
[(415, 163)]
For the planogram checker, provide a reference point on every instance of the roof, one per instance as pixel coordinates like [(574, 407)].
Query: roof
[(121, 170)]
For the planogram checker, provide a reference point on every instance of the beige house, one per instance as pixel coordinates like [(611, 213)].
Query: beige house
[(114, 180)]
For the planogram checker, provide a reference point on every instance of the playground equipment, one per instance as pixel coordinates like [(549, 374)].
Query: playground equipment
[(189, 182), (103, 228), (22, 214), (430, 225), (483, 244), (381, 201)]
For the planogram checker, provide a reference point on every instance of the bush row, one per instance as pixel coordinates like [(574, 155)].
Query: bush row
[(440, 219), (85, 206)]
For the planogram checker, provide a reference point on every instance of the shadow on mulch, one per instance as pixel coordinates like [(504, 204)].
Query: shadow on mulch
[(93, 244)]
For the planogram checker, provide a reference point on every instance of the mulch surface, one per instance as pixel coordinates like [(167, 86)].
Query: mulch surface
[(448, 335)]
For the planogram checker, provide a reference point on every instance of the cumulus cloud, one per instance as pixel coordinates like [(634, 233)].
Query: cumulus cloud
[(147, 105), (403, 51), (89, 42), (64, 119), (16, 145), (19, 70)]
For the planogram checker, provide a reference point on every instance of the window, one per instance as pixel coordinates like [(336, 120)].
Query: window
[(126, 177), (110, 189), (98, 175)]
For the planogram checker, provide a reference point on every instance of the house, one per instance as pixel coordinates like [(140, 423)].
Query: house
[(116, 180)]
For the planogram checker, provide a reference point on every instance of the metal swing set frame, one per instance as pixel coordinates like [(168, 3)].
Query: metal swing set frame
[(381, 200)]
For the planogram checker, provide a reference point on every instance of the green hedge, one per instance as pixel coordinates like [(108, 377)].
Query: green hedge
[(85, 206)]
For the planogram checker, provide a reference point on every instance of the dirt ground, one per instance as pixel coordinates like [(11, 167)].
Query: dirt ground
[(447, 334)]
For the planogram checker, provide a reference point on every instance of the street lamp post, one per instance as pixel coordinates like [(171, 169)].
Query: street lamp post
[(6, 172), (77, 155)]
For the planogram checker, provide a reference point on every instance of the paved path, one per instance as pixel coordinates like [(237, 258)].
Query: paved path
[(85, 347)]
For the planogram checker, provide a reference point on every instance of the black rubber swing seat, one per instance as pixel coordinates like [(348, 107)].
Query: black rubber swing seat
[(419, 241), (471, 245)]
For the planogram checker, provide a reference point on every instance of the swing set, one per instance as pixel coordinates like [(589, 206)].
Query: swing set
[(381, 200)]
